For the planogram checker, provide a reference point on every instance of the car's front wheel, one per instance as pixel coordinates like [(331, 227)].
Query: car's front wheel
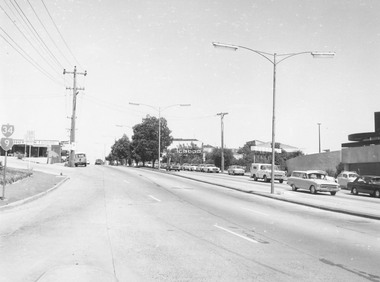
[(294, 187), (354, 191), (313, 190), (332, 193), (376, 194)]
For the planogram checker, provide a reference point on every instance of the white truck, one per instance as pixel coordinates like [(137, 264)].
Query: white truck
[(264, 171)]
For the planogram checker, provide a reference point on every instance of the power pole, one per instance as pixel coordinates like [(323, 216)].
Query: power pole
[(73, 116), (222, 132)]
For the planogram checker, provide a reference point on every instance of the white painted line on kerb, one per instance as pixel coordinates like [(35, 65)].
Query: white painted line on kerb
[(127, 182), (233, 233), (154, 198), (255, 211)]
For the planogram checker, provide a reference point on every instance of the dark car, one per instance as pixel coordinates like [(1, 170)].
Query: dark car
[(366, 184), (98, 162), (175, 167)]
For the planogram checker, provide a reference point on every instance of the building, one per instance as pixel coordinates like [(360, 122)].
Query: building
[(362, 154)]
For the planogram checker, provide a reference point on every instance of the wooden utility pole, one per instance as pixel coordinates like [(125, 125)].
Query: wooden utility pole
[(222, 137), (73, 116)]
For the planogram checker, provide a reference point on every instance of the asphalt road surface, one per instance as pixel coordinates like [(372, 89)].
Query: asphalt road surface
[(127, 224)]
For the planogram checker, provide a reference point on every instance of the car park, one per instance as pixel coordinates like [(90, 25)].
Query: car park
[(264, 171), (366, 184), (312, 180), (346, 176), (236, 170), (210, 168)]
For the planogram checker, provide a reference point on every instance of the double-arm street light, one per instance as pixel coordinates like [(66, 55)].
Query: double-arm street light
[(274, 59), (159, 109)]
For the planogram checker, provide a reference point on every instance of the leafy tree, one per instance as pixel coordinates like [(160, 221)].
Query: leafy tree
[(121, 151), (145, 139), (216, 157)]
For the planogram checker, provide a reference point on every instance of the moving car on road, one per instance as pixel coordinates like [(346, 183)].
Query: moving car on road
[(313, 181), (346, 176), (98, 162), (80, 159), (367, 184), (236, 170)]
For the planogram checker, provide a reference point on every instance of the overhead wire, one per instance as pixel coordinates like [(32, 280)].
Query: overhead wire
[(26, 38), (48, 34), (60, 34), (41, 41), (27, 57)]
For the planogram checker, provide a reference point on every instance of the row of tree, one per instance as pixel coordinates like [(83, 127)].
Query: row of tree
[(143, 148)]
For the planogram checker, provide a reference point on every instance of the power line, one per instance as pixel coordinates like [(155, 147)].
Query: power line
[(64, 41), (37, 35), (26, 38), (56, 46)]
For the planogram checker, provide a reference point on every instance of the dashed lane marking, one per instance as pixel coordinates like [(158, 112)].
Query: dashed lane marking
[(154, 198), (236, 234)]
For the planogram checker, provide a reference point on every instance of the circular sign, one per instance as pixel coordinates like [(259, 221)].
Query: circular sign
[(7, 130), (6, 143)]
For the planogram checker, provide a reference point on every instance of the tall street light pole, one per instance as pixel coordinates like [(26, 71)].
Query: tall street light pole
[(159, 110), (273, 59), (319, 136), (222, 139)]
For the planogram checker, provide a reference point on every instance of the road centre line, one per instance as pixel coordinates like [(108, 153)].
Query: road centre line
[(255, 211), (154, 198), (236, 234)]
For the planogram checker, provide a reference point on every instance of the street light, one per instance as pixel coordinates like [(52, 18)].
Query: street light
[(159, 109), (319, 136), (272, 58)]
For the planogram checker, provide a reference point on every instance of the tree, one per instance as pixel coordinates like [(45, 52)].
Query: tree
[(191, 154), (121, 151), (145, 139), (216, 157)]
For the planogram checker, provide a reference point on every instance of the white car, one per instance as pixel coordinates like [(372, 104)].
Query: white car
[(346, 176), (236, 170), (313, 181), (210, 168)]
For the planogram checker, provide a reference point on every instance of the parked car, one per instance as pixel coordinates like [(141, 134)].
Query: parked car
[(185, 166), (192, 167), (210, 168), (366, 184), (313, 181), (236, 170), (346, 176), (264, 171), (175, 167), (199, 167)]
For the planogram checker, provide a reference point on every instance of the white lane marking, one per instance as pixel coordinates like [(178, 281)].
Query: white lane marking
[(154, 198), (127, 182), (255, 211), (233, 233)]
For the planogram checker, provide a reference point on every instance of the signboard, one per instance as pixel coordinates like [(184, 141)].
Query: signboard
[(6, 143), (29, 137), (264, 149), (189, 151), (7, 130)]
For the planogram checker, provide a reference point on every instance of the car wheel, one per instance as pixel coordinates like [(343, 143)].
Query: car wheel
[(233, 173), (294, 187), (313, 190), (254, 177), (266, 178), (376, 194), (332, 193), (354, 191), (281, 180)]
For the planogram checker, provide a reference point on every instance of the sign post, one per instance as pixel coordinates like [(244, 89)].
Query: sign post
[(7, 144)]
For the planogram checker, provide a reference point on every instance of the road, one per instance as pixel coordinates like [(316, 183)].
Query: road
[(129, 224)]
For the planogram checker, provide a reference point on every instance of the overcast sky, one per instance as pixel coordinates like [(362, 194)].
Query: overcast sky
[(159, 53)]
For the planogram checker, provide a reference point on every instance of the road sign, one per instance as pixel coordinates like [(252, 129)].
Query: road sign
[(6, 143), (7, 130)]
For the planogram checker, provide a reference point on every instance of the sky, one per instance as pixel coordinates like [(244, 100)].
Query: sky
[(159, 53)]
